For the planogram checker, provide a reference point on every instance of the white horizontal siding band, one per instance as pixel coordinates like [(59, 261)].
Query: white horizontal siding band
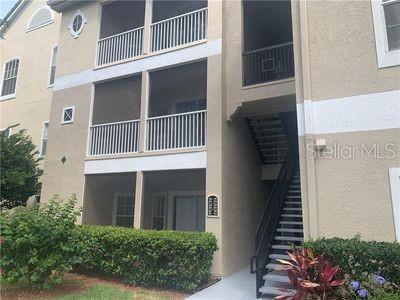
[(378, 111), (188, 54), (176, 161)]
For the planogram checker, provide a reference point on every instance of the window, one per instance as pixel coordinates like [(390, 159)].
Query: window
[(42, 17), (124, 209), (9, 79), (159, 211), (394, 177), (386, 15), (68, 115), (77, 23), (53, 65), (43, 143), (391, 9)]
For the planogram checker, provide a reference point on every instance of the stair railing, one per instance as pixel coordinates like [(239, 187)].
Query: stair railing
[(268, 225)]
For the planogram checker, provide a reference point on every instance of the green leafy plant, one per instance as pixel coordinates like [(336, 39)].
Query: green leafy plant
[(359, 258), (312, 276), (168, 259), (37, 242), (20, 173)]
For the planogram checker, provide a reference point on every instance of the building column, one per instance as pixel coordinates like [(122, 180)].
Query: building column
[(148, 16), (144, 101), (137, 219)]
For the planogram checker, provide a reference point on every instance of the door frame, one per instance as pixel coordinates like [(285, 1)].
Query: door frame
[(173, 194)]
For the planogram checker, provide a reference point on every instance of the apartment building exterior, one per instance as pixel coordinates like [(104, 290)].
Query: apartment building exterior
[(28, 49), (263, 122)]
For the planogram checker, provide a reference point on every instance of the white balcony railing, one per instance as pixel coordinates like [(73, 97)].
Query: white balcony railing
[(176, 131), (120, 46), (179, 30), (114, 138), (268, 64)]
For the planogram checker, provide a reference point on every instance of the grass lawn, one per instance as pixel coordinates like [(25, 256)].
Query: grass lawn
[(82, 287)]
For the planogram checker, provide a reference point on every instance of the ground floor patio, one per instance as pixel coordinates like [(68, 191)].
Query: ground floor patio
[(171, 200)]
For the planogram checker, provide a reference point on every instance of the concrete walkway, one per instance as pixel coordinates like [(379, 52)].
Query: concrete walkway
[(238, 286)]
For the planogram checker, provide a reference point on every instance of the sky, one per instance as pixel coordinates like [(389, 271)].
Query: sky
[(5, 6)]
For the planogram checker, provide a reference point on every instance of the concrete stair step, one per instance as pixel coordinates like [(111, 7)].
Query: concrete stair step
[(290, 223), (289, 238), (276, 291), (276, 278), (291, 216), (292, 208), (293, 197), (279, 256), (292, 203), (272, 266), (281, 247), (293, 230)]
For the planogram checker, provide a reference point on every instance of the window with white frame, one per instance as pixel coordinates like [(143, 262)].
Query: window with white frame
[(68, 115), (386, 16), (43, 143), (77, 23), (10, 74), (43, 16), (124, 209), (53, 65), (159, 211)]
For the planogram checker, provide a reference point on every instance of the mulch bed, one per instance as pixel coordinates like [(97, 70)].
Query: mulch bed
[(75, 283)]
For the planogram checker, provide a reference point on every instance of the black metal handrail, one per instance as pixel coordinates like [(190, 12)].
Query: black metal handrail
[(269, 223)]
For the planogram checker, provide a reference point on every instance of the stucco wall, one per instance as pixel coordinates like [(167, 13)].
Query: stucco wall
[(31, 105), (236, 94), (78, 54), (67, 140), (244, 195), (335, 58), (342, 51)]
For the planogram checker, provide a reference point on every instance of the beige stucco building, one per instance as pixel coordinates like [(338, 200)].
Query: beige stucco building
[(28, 49), (263, 122)]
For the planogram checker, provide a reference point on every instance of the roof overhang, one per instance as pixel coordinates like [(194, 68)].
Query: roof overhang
[(12, 15), (60, 5)]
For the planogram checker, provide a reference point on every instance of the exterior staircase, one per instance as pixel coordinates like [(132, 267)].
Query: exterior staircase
[(281, 225), (270, 138), (288, 233)]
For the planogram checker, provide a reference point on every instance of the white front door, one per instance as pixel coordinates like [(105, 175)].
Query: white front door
[(189, 213)]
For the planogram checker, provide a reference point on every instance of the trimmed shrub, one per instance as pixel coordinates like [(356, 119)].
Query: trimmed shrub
[(358, 258), (168, 259), (37, 242)]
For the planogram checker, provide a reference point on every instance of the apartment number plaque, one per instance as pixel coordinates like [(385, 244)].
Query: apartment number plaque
[(212, 206)]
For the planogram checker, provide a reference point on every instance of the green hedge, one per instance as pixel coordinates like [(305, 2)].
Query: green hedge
[(168, 259), (356, 257)]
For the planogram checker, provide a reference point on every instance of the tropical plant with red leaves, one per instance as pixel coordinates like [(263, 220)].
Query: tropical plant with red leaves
[(312, 276)]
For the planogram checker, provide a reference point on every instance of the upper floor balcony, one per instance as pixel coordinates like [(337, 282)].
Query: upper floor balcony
[(175, 118), (268, 46), (125, 34)]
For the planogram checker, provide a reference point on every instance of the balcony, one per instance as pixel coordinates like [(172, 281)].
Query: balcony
[(177, 113), (268, 64), (174, 24), (268, 47)]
